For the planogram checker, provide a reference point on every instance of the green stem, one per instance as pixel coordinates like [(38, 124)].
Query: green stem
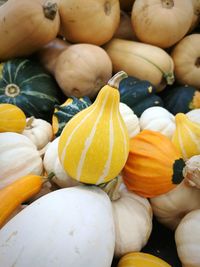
[(112, 188)]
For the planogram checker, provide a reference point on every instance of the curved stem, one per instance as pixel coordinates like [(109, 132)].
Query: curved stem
[(50, 10), (117, 78), (29, 123), (112, 188)]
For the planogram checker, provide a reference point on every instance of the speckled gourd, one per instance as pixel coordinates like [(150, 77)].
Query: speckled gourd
[(94, 145)]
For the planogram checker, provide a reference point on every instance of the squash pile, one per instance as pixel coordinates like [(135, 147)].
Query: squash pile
[(99, 131)]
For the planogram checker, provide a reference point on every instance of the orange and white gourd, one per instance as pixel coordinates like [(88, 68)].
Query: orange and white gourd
[(94, 144)]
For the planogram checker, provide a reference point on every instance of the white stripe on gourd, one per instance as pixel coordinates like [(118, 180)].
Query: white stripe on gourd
[(93, 146)]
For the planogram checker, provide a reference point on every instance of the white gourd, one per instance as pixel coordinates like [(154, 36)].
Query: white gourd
[(194, 115), (158, 119), (187, 238), (18, 157), (131, 120)]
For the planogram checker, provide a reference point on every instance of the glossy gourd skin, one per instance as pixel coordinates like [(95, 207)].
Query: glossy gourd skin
[(12, 118), (94, 144), (24, 83), (180, 98), (138, 95), (63, 113), (154, 165)]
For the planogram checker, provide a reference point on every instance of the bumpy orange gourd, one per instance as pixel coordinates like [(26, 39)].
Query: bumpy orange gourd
[(154, 165), (94, 145), (12, 118)]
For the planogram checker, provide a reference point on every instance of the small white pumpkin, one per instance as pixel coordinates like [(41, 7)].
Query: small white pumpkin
[(52, 164), (194, 115), (171, 207), (158, 119), (187, 238), (70, 227), (130, 119), (18, 157), (38, 131)]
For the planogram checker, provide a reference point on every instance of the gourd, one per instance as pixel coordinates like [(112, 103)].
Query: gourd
[(130, 119), (196, 15), (87, 62), (14, 194), (154, 165), (143, 61), (24, 83), (19, 157), (138, 95), (63, 113), (80, 21), (38, 131), (72, 230), (132, 217), (52, 164), (186, 136), (194, 115), (12, 118), (141, 259), (172, 22), (87, 160), (171, 207), (187, 60), (187, 239), (26, 38), (158, 119), (48, 54), (180, 98)]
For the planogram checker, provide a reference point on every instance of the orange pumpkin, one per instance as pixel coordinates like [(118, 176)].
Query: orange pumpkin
[(154, 165)]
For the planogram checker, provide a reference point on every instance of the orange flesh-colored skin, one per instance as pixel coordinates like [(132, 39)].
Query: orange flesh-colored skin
[(149, 167), (16, 193)]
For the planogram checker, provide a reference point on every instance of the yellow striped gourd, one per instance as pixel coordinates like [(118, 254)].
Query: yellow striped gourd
[(186, 136), (94, 145), (12, 118)]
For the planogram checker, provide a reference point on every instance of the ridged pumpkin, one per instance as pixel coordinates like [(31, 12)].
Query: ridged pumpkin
[(12, 118), (186, 136), (154, 165), (94, 144)]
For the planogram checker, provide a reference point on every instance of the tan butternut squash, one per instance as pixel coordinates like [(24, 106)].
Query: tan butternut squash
[(82, 69), (90, 21), (26, 26), (196, 15), (161, 22), (143, 61)]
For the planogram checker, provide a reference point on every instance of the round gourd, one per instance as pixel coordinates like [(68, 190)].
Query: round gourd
[(186, 57), (66, 227), (12, 118), (19, 157), (38, 131), (154, 165), (130, 119), (138, 95), (196, 15), (89, 22), (80, 70), (172, 21), (186, 136), (158, 119), (171, 207), (180, 98), (187, 239), (24, 83), (103, 142), (143, 61), (141, 259), (35, 23), (63, 113), (194, 115)]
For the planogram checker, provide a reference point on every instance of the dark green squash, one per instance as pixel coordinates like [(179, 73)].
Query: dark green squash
[(180, 99), (24, 83), (63, 113), (138, 94)]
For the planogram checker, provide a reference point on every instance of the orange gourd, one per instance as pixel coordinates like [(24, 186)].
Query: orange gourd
[(16, 193), (154, 165)]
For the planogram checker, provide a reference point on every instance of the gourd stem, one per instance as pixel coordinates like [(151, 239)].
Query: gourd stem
[(50, 9), (112, 188), (12, 90), (191, 171), (29, 123), (167, 3), (48, 178), (117, 78)]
